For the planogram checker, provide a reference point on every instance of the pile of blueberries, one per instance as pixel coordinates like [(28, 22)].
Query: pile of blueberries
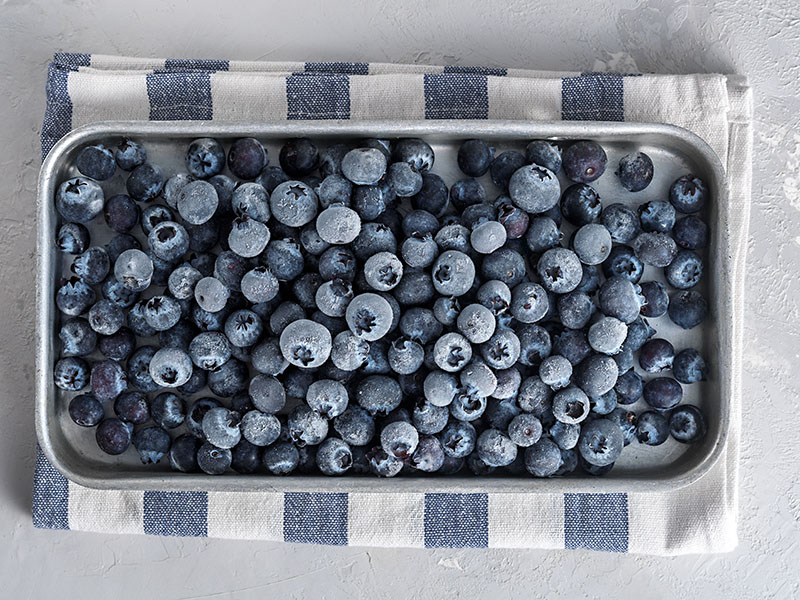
[(350, 313)]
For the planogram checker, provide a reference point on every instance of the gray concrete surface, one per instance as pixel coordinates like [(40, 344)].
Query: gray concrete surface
[(761, 39)]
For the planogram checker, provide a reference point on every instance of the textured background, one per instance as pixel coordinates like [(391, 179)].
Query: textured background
[(626, 35)]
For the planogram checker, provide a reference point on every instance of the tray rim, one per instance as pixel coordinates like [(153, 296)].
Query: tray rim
[(721, 306)]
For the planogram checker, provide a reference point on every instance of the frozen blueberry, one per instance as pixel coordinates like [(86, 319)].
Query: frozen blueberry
[(690, 232), (458, 439), (260, 429), (247, 158), (267, 393), (113, 436), (121, 213), (383, 464), (211, 295), (168, 410), (571, 405), (559, 270), (96, 162), (543, 458), (168, 241), (652, 428), (243, 328), (399, 439), (334, 189), (452, 352), (229, 379), (281, 458), (415, 152), (406, 181), (161, 312), (298, 157), (327, 397), (338, 224), (170, 367), (504, 166), (419, 251), (635, 171), (371, 201), (266, 357), (502, 350), (205, 158), (173, 186), (524, 430), (221, 427), (378, 394), (293, 203), (77, 338), (440, 387), (72, 238), (117, 293), (584, 161), (508, 383), (656, 249), (629, 387), (213, 460), (129, 155), (555, 371), (364, 166), (581, 205), (467, 192), (638, 333), (405, 356), (446, 310), (108, 379), (197, 202), (488, 236), (306, 344), (453, 273), (626, 421), (105, 317), (621, 222), (477, 323), (71, 374), (369, 316), (307, 427), (85, 410), (145, 182), (335, 262), (183, 453), (479, 377), (596, 374), (621, 299), (689, 366), (152, 443), (592, 244), (656, 355), (572, 345), (687, 424), (474, 157), (607, 335), (330, 159), (534, 189), (495, 449), (575, 309), (154, 214), (514, 220), (687, 309), (544, 153), (284, 314), (92, 266), (688, 194), (79, 199), (528, 302), (657, 216), (334, 456), (355, 426), (601, 442), (685, 270), (663, 393), (349, 351), (656, 299)]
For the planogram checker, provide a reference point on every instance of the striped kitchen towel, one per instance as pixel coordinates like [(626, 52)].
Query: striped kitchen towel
[(84, 88)]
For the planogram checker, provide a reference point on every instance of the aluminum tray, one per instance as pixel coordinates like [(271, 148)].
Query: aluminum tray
[(675, 151)]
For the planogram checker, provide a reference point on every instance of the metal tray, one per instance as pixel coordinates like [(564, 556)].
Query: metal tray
[(675, 151)]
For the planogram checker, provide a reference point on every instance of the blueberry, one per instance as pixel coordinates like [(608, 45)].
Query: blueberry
[(603, 405), (446, 310), (626, 421), (86, 410), (528, 302), (629, 387), (559, 270), (205, 158), (173, 186), (399, 439), (369, 316), (525, 430), (252, 200), (688, 194), (504, 166), (364, 166), (152, 443), (656, 355), (330, 160), (657, 216), (467, 192), (168, 240), (621, 299), (690, 232), (689, 366), (298, 157), (477, 323), (77, 338), (565, 435), (452, 352), (570, 405), (555, 371), (542, 234), (419, 251), (475, 157), (96, 162), (575, 309), (194, 418), (154, 214), (584, 161), (293, 203), (327, 397), (488, 236), (183, 453), (71, 374), (621, 222), (119, 244), (663, 393), (213, 460), (355, 426), (284, 314), (260, 429), (687, 309), (229, 269), (406, 181), (281, 458), (656, 249), (502, 350), (349, 351), (228, 380), (338, 224), (514, 220), (581, 204), (478, 377), (145, 182), (405, 356), (72, 238), (162, 312), (383, 464), (267, 393), (243, 328), (197, 202), (638, 333), (105, 317), (453, 273), (221, 427), (371, 201), (307, 427), (432, 195), (652, 428), (247, 158), (534, 189), (170, 367), (508, 383), (168, 410), (685, 270), (113, 436), (129, 155), (635, 171), (79, 199), (495, 449), (210, 350), (378, 394), (373, 238), (334, 262), (211, 295), (544, 153), (92, 266), (656, 299), (334, 456), (306, 344), (687, 424), (108, 380), (601, 442), (607, 335), (415, 152), (596, 374), (138, 369), (543, 458), (572, 345), (121, 213), (334, 189)]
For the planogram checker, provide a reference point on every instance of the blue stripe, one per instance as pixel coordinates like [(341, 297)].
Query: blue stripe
[(58, 112), (72, 60), (179, 96), (341, 68), (182, 514), (596, 522), (456, 96), (318, 96), (456, 520), (50, 495), (315, 518), (181, 64), (495, 71), (592, 97)]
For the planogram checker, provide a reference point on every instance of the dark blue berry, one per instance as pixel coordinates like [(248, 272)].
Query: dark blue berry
[(205, 158), (688, 194), (72, 238), (584, 161), (475, 157), (299, 157), (635, 171), (113, 436), (96, 162), (503, 167), (663, 393), (687, 424), (130, 155), (145, 182), (690, 232), (687, 309), (119, 345), (544, 153), (121, 213), (652, 428), (247, 158)]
